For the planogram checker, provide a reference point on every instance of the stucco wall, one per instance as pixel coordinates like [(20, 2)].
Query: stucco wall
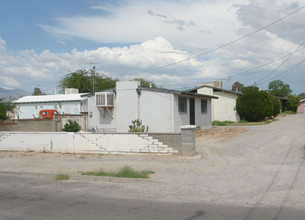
[(82, 143), (127, 107), (301, 107), (29, 110), (224, 108), (156, 111), (101, 119), (204, 120)]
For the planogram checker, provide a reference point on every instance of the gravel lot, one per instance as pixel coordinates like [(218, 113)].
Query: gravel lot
[(253, 166)]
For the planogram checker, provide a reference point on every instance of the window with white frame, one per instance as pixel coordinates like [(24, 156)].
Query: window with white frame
[(182, 104), (204, 106)]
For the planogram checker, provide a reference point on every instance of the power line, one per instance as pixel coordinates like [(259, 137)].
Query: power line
[(257, 67), (281, 63), (290, 69), (222, 46)]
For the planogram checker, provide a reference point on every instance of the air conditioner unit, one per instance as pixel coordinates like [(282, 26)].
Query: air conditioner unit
[(104, 99)]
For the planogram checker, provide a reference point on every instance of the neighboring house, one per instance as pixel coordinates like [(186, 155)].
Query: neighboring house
[(29, 106), (223, 108), (162, 110), (301, 108)]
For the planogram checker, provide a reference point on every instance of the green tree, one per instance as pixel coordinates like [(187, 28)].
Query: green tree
[(4, 108), (145, 83), (37, 91), (302, 95), (292, 103), (237, 86), (82, 80), (254, 105), (278, 88)]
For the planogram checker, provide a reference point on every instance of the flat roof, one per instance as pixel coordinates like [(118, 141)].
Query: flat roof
[(50, 98), (177, 92), (214, 88)]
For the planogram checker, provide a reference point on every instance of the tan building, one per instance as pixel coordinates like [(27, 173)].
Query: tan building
[(223, 108)]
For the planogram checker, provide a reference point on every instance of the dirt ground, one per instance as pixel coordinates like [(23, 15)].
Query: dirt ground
[(246, 166)]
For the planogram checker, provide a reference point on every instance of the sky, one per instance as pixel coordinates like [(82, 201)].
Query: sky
[(175, 43)]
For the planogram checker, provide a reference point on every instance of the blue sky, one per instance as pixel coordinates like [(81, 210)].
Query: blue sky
[(42, 40)]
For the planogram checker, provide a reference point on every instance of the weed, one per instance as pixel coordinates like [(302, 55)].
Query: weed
[(62, 176), (126, 172)]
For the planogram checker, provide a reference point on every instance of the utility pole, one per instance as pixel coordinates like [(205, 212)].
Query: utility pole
[(93, 76), (93, 84)]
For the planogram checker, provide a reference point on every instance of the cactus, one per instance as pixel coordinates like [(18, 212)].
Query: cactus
[(137, 126)]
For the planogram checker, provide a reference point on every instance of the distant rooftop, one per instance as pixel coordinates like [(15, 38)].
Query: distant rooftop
[(50, 98)]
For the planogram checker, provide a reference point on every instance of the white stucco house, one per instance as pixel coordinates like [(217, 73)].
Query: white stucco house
[(162, 110), (223, 108), (71, 102)]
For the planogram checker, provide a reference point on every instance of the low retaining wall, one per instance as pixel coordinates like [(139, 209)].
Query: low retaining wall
[(82, 143)]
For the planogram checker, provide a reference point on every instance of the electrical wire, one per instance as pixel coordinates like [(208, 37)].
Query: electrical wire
[(222, 46), (288, 70), (281, 63)]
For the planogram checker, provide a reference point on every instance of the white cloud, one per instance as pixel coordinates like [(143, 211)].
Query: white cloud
[(46, 68), (8, 82), (164, 32)]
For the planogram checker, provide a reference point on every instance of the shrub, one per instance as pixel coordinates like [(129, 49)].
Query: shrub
[(276, 106), (293, 103), (254, 105), (71, 126)]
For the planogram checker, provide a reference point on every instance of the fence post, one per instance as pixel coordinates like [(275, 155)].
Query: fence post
[(188, 144)]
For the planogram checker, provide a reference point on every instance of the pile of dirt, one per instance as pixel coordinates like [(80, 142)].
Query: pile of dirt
[(221, 131)]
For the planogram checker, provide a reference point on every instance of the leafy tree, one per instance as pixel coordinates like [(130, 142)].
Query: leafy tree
[(37, 91), (71, 126), (302, 95), (292, 103), (4, 108), (145, 83), (82, 80), (278, 88), (237, 86), (254, 105)]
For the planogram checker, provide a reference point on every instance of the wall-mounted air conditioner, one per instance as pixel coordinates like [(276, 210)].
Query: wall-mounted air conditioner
[(104, 99)]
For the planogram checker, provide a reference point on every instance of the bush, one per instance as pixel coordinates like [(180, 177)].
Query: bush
[(293, 103), (254, 105), (71, 126), (276, 106)]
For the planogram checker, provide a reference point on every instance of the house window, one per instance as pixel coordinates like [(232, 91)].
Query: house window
[(204, 106), (182, 104)]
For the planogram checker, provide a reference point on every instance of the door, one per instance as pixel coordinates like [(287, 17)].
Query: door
[(192, 111)]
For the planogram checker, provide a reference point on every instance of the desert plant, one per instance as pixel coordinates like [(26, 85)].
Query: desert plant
[(71, 126), (137, 126)]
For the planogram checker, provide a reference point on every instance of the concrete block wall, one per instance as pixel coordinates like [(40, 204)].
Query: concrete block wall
[(82, 143)]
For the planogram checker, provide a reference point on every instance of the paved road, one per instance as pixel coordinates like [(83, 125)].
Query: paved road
[(25, 197), (258, 174)]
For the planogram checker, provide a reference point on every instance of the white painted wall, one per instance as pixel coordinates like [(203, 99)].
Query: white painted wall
[(204, 120), (82, 143), (156, 111), (99, 118), (224, 108), (127, 108), (27, 110)]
